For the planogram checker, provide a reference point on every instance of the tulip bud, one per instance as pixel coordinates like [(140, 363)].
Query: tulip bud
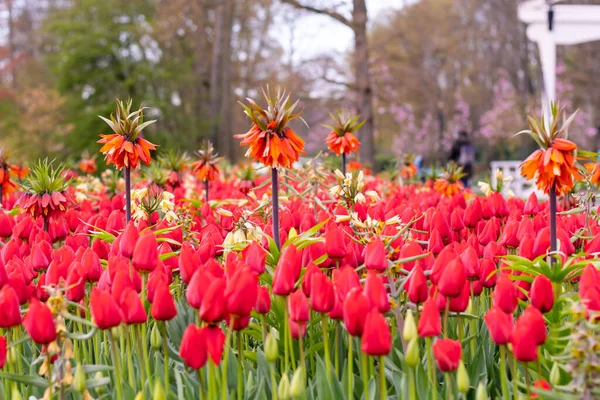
[(481, 392), (79, 380), (412, 353), (297, 387), (116, 332), (271, 348), (139, 396), (100, 389), (462, 378), (158, 393), (283, 391), (11, 356), (155, 338), (15, 394), (469, 309), (292, 233), (555, 375), (410, 327)]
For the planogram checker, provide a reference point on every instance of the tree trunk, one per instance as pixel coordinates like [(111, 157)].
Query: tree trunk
[(215, 77), (363, 81), (11, 45), (225, 113), (201, 67)]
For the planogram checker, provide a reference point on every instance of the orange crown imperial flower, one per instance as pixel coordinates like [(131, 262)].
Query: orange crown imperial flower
[(449, 184), (206, 167), (553, 165), (270, 141), (341, 139), (8, 186), (125, 148)]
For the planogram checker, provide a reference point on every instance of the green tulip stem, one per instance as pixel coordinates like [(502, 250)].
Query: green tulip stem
[(412, 386), (430, 369), (326, 346), (117, 364), (365, 374), (224, 388), (503, 377), (166, 351), (382, 383), (350, 367)]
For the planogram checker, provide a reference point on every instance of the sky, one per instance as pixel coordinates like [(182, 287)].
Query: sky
[(315, 34)]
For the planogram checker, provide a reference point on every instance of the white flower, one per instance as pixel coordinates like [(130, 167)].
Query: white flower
[(510, 194), (334, 190), (224, 212), (499, 174), (485, 188), (339, 174), (359, 198), (393, 221), (165, 206), (373, 195), (239, 236), (342, 218), (171, 217), (168, 196)]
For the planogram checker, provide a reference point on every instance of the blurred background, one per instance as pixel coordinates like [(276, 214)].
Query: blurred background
[(417, 70)]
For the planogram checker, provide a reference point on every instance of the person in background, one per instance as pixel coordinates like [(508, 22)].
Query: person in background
[(463, 153)]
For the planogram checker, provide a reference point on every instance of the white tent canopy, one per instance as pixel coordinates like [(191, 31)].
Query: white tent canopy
[(571, 24)]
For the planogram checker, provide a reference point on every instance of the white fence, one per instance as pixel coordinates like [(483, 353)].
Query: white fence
[(519, 185)]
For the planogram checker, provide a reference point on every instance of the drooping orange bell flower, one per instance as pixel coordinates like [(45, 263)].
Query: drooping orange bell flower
[(8, 186), (125, 148), (449, 184), (553, 165), (409, 170), (270, 140), (341, 139), (206, 167), (594, 170), (87, 164)]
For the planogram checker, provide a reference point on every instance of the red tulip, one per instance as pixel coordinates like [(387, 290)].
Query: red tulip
[(430, 323), (132, 308), (212, 309), (470, 260), (188, 262), (2, 349), (198, 286), (145, 255), (39, 261), (241, 292), (298, 307), (163, 306), (376, 292), (322, 297), (39, 323), (105, 310), (128, 240), (75, 284), (335, 244), (376, 339), (297, 329), (531, 206), (375, 256), (309, 271), (524, 346), (193, 347), (453, 279), (416, 286), (10, 315), (214, 339), (487, 273), (344, 280), (447, 353), (542, 294), (505, 294), (473, 213), (90, 263), (460, 303), (540, 384), (263, 301), (254, 256), (533, 320), (499, 324), (355, 309), (287, 272)]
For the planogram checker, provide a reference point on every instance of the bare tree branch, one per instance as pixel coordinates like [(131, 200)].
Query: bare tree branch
[(324, 11)]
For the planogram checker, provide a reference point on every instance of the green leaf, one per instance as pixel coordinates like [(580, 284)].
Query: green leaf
[(26, 379)]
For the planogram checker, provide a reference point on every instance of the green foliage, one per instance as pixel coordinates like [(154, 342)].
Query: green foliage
[(45, 178)]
